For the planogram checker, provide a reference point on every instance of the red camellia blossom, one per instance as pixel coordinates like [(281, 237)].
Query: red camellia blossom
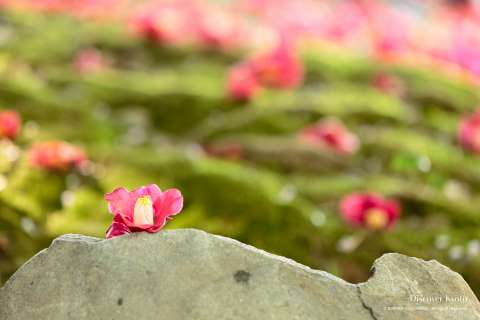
[(369, 211), (242, 83), (144, 209), (10, 124), (331, 134), (279, 68), (56, 156), (469, 132)]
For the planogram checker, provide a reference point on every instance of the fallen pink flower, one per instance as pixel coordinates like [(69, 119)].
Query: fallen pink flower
[(280, 68), (144, 209), (370, 211), (388, 84), (242, 85), (56, 156), (344, 21), (167, 23), (89, 61), (78, 8), (218, 28), (10, 124), (331, 134), (390, 30), (469, 132)]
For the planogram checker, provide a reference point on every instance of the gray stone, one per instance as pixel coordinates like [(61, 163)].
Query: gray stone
[(190, 274)]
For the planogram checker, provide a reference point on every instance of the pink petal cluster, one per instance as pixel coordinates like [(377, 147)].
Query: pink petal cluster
[(144, 209), (443, 34), (218, 28), (331, 134), (10, 124), (345, 19), (388, 84), (89, 61), (279, 68), (56, 156), (370, 211), (79, 8), (390, 30), (469, 132), (242, 84), (166, 22), (185, 21)]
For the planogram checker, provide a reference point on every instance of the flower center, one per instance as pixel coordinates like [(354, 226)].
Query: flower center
[(376, 219), (143, 211)]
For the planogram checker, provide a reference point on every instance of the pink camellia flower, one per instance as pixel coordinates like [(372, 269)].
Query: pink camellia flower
[(56, 156), (370, 211), (331, 134), (242, 84), (10, 124), (219, 28), (78, 8), (389, 28), (144, 209), (388, 84), (469, 132), (89, 61), (279, 68), (167, 22)]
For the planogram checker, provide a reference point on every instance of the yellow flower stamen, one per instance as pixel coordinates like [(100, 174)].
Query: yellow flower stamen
[(376, 219), (143, 211)]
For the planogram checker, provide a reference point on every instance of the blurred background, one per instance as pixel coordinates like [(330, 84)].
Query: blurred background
[(329, 132)]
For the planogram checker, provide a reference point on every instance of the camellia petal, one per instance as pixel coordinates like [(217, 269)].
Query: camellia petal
[(151, 190), (119, 201), (352, 207), (171, 202), (117, 228)]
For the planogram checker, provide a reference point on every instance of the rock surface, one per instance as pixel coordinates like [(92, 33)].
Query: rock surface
[(190, 274)]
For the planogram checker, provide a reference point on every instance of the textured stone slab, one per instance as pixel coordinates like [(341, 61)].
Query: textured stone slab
[(190, 274)]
